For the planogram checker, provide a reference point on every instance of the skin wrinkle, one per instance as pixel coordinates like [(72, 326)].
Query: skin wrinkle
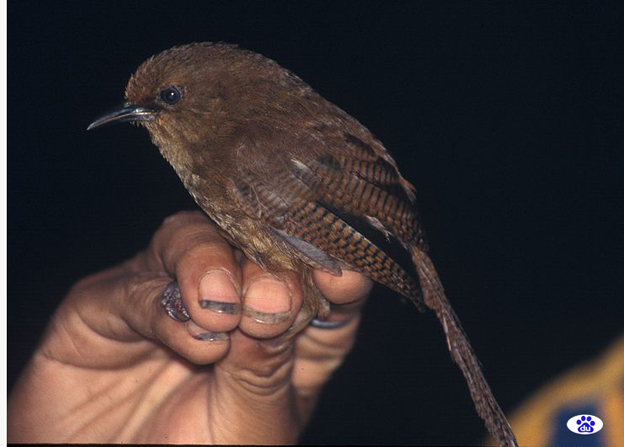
[(198, 409), (325, 362), (78, 432), (80, 408), (263, 385), (74, 336), (132, 287), (84, 288), (159, 396), (118, 404), (268, 407), (155, 404), (329, 349), (129, 317), (95, 329), (214, 403), (256, 381), (132, 402), (61, 331)]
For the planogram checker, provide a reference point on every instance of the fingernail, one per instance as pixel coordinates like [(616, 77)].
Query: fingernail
[(261, 303), (220, 307), (265, 317), (218, 293), (201, 334), (212, 336)]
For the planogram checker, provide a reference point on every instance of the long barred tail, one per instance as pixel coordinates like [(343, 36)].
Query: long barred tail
[(461, 350)]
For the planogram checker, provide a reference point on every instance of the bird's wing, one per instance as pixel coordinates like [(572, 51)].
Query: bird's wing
[(351, 203), (334, 208)]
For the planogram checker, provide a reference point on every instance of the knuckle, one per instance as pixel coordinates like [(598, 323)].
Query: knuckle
[(182, 217), (176, 222), (202, 247), (186, 237)]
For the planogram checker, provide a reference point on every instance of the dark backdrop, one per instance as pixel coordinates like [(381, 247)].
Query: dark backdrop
[(507, 117)]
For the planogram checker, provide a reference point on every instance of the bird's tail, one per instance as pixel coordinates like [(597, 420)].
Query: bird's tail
[(461, 350)]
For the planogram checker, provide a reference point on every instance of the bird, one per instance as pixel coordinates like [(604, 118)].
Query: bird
[(294, 182)]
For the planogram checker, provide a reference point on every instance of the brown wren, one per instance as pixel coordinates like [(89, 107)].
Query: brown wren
[(293, 181)]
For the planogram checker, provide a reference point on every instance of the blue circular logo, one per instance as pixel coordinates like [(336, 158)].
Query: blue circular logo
[(584, 424)]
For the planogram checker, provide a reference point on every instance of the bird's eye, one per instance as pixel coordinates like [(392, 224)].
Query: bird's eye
[(171, 95)]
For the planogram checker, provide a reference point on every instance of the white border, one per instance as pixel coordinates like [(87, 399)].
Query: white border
[(3, 218)]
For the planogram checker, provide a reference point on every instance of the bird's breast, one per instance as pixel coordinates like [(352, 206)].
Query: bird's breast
[(252, 236)]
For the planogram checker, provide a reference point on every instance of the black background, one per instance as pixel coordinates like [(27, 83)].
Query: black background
[(507, 117)]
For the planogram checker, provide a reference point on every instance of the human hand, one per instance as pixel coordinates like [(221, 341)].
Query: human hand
[(114, 367)]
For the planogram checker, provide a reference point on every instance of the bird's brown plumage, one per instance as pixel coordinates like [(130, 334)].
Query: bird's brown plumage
[(295, 182)]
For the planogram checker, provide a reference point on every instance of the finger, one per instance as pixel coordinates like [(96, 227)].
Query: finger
[(319, 354), (321, 348), (141, 309), (349, 287), (271, 302), (253, 382), (192, 252)]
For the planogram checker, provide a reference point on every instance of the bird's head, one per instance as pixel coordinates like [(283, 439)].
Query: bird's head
[(194, 93)]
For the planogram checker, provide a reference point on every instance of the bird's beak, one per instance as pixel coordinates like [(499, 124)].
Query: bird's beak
[(124, 113)]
